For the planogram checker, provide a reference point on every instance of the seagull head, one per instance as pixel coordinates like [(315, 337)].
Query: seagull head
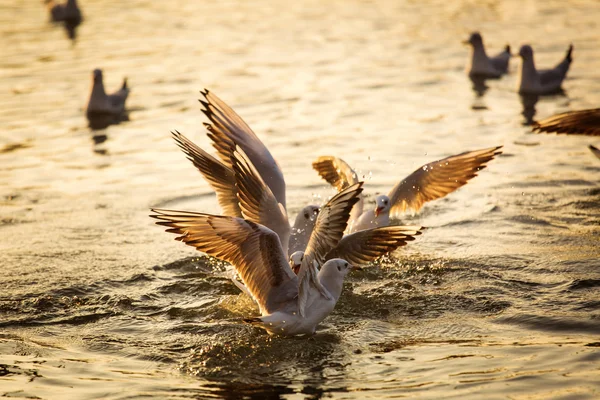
[(307, 217), (296, 261), (382, 204), (526, 52), (474, 40), (338, 267)]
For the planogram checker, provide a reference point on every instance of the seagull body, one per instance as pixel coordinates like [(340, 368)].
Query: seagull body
[(429, 182), (108, 108), (289, 304), (69, 13), (548, 81), (582, 122), (483, 66)]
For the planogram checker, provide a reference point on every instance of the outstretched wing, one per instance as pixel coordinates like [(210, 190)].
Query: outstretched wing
[(329, 229), (360, 248), (218, 175), (226, 129), (254, 251), (340, 175), (437, 179), (583, 122), (257, 202)]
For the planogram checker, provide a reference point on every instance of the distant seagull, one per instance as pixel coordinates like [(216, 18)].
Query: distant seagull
[(595, 150), (103, 109), (429, 182), (582, 122), (290, 304), (546, 81), (483, 66), (68, 13)]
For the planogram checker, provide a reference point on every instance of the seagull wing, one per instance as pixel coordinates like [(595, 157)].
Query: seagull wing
[(254, 251), (218, 175), (583, 122), (227, 128), (437, 179), (340, 175), (256, 200), (329, 229), (360, 248)]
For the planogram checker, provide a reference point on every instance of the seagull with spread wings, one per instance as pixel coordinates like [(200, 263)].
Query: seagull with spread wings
[(429, 182), (289, 304), (243, 191)]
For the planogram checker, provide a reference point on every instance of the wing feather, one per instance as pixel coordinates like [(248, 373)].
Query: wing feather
[(363, 247), (254, 251), (227, 127), (218, 175), (256, 200), (437, 179), (583, 122)]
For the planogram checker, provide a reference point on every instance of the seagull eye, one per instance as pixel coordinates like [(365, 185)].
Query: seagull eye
[(385, 202), (306, 215), (346, 265), (339, 269), (302, 258)]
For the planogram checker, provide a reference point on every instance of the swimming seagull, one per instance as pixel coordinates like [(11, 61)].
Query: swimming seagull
[(481, 65), (547, 81), (103, 109), (429, 182), (582, 122), (289, 304), (69, 13)]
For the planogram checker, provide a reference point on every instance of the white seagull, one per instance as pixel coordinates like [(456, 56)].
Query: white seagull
[(290, 304), (547, 81), (482, 66), (429, 182)]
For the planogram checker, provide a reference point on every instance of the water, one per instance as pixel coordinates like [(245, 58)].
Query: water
[(498, 299)]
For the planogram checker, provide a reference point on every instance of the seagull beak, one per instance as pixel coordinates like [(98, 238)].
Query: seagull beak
[(466, 42), (296, 268), (378, 211)]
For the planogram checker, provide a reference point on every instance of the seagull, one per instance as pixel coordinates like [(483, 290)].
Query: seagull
[(582, 122), (103, 109), (429, 182), (69, 13), (289, 304), (548, 81), (243, 192), (483, 66)]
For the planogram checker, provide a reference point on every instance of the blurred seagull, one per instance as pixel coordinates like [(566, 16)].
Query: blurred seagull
[(69, 13), (582, 122), (481, 65), (290, 304), (429, 182), (547, 81), (103, 109)]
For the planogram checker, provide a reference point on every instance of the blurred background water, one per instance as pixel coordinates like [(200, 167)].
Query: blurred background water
[(499, 298)]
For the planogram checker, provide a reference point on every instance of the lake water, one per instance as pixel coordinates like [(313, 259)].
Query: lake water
[(499, 298)]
